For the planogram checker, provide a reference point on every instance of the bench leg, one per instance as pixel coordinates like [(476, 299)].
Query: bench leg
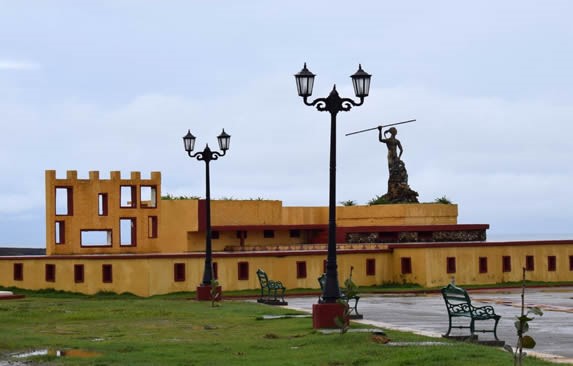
[(472, 327), (356, 306), (495, 328), (449, 326)]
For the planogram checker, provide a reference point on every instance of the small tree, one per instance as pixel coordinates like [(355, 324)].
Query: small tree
[(215, 294), (350, 290), (522, 326)]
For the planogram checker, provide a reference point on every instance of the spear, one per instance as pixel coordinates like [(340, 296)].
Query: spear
[(375, 128)]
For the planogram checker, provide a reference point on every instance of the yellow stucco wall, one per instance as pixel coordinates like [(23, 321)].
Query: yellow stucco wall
[(146, 275)]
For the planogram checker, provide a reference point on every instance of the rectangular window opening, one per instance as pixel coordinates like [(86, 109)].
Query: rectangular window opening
[(106, 273), (451, 265), (179, 272), (551, 263), (571, 262), (241, 234), (482, 264), (64, 201), (301, 269), (506, 263), (268, 233), (102, 204), (128, 197), (529, 263), (18, 271), (294, 233), (50, 273), (95, 238), (60, 231), (127, 232), (215, 234), (324, 262), (370, 267), (78, 273), (148, 196), (152, 226), (406, 264), (243, 271)]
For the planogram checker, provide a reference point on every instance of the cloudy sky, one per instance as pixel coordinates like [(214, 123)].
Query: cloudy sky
[(114, 85)]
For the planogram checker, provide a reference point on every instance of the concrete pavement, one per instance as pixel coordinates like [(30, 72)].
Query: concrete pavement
[(426, 314)]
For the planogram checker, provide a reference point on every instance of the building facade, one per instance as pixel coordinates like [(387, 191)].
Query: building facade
[(118, 235)]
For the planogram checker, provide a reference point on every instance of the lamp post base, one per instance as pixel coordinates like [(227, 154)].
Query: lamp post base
[(324, 315), (204, 293)]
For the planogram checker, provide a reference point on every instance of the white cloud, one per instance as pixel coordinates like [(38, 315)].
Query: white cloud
[(18, 65)]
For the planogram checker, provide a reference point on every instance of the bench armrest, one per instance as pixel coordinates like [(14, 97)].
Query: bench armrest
[(483, 310), (459, 308)]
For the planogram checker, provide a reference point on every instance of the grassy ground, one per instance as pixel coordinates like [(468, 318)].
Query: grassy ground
[(173, 330)]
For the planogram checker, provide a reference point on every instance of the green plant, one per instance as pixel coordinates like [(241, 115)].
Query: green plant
[(445, 200), (215, 293), (169, 196), (348, 203), (350, 290), (378, 200), (522, 326)]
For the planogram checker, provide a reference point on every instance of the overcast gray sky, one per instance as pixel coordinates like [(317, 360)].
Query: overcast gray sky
[(114, 85)]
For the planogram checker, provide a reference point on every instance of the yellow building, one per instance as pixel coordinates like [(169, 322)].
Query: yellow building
[(118, 235)]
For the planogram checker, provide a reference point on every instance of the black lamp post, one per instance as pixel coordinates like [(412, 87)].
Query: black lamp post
[(207, 155), (333, 104)]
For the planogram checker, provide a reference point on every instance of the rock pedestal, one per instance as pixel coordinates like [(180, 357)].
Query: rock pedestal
[(398, 189)]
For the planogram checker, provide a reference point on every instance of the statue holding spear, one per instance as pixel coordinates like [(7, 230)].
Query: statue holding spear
[(398, 189)]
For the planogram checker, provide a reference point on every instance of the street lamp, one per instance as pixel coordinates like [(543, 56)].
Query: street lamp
[(204, 290), (333, 104)]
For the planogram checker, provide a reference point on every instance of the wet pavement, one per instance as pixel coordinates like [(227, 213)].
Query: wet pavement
[(426, 314)]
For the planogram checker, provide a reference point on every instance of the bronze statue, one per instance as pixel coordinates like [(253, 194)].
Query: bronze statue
[(398, 189), (392, 143)]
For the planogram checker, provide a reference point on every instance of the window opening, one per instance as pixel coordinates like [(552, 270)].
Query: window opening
[(127, 231), (148, 196), (179, 272), (128, 197), (370, 267), (551, 263), (451, 265), (301, 269), (106, 273), (64, 201), (529, 263), (268, 233), (152, 226), (18, 271), (506, 263), (243, 270), (60, 231), (95, 238), (482, 264), (78, 273), (406, 264), (294, 233), (102, 204), (50, 273)]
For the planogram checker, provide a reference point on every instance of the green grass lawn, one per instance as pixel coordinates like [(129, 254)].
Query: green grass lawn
[(174, 330)]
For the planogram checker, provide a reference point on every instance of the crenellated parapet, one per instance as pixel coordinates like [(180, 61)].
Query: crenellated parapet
[(95, 215)]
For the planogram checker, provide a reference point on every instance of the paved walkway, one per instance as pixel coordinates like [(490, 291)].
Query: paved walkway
[(426, 314)]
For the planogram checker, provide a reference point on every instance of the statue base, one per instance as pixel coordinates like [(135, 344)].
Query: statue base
[(400, 193), (204, 293)]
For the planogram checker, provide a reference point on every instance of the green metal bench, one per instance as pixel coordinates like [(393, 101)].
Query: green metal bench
[(459, 305), (352, 300), (271, 290)]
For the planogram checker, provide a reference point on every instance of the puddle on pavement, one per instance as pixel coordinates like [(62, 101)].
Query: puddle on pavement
[(80, 353)]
